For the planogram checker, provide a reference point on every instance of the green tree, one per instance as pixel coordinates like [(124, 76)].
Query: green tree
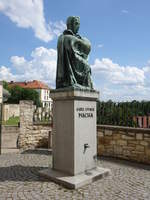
[(18, 93), (112, 113), (5, 85)]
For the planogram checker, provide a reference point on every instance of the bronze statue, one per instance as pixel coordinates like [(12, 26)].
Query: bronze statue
[(73, 70)]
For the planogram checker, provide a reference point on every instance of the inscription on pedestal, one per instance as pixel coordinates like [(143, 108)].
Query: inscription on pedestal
[(86, 112)]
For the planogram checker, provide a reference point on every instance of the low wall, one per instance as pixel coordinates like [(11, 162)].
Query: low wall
[(32, 135), (10, 110), (36, 136), (124, 142), (9, 138)]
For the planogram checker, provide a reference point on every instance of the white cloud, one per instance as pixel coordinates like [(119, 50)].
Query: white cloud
[(42, 67), (146, 69), (125, 11), (5, 74), (18, 62), (30, 14), (117, 74), (115, 82), (58, 27), (121, 83), (100, 45), (124, 93)]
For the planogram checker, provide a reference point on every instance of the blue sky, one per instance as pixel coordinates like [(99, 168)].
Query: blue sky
[(119, 32)]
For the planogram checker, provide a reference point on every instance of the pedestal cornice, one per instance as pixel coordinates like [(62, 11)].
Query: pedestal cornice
[(68, 94)]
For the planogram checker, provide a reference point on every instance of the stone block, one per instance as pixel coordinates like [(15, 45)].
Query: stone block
[(109, 151), (131, 134), (116, 136), (139, 136), (147, 152), (108, 132), (121, 132), (144, 143), (34, 127), (137, 153), (113, 142), (43, 131), (101, 140), (100, 134), (118, 149), (74, 182), (101, 149), (107, 141), (127, 137), (104, 140), (126, 152), (122, 142), (139, 148), (133, 142), (147, 139), (108, 147), (146, 135), (130, 148)]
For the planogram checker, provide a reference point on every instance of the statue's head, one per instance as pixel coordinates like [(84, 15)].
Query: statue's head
[(73, 23)]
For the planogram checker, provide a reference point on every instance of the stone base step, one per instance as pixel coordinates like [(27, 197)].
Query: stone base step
[(74, 182), (9, 150)]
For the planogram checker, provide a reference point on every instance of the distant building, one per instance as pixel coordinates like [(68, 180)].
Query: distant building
[(41, 88)]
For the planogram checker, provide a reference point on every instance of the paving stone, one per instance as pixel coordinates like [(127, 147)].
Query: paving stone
[(19, 180)]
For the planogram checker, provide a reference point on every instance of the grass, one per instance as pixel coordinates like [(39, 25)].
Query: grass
[(12, 121)]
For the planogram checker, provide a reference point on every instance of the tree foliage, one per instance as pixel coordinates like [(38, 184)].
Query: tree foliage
[(5, 85), (122, 113), (18, 93)]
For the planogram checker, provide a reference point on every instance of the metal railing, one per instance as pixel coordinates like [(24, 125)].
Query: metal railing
[(131, 114)]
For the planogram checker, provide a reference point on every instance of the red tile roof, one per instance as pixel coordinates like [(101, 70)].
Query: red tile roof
[(31, 84)]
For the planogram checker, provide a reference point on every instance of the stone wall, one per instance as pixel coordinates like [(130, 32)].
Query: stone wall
[(123, 142), (10, 110), (31, 135), (9, 138)]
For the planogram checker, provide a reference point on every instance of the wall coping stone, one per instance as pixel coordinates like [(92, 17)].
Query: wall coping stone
[(123, 128), (42, 124), (10, 126)]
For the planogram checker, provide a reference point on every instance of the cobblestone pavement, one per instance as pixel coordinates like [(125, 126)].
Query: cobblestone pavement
[(19, 180)]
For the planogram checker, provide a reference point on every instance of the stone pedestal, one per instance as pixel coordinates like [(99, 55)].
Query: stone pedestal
[(74, 138)]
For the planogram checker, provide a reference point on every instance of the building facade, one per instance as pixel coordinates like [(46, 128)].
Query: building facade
[(45, 97), (40, 87)]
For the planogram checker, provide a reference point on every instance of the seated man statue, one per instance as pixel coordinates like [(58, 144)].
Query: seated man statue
[(73, 70)]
